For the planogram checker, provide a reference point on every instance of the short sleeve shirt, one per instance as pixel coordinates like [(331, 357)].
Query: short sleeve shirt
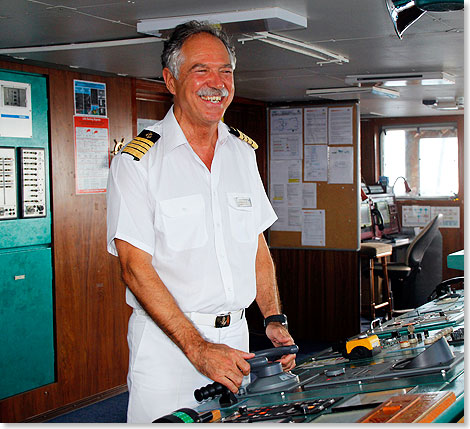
[(201, 226)]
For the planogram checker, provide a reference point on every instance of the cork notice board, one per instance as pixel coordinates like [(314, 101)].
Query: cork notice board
[(314, 176)]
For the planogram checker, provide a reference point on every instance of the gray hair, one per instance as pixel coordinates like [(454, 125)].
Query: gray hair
[(172, 58)]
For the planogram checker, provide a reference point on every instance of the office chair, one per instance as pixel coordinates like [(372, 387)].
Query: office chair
[(413, 280)]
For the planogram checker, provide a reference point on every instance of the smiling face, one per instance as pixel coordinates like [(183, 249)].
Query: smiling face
[(204, 88)]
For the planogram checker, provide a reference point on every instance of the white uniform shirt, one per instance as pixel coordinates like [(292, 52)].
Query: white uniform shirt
[(201, 227)]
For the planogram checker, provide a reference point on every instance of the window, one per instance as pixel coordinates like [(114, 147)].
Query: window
[(426, 156)]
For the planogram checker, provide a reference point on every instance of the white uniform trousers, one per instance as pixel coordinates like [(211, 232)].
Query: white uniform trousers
[(161, 379)]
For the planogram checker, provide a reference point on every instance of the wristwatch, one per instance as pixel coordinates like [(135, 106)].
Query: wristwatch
[(281, 318)]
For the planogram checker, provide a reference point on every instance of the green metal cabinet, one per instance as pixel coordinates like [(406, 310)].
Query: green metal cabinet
[(27, 353), (26, 317)]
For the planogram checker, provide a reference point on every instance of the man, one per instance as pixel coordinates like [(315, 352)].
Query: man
[(186, 215)]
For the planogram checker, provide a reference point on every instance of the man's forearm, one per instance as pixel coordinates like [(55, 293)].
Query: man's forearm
[(267, 294)]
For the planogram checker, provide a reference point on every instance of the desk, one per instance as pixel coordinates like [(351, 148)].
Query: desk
[(456, 260), (315, 383)]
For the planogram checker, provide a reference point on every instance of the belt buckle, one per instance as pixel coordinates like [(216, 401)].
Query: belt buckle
[(222, 321)]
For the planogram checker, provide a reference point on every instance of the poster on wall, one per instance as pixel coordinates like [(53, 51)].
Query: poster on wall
[(341, 165), (451, 215), (315, 125), (340, 125), (313, 227), (92, 155), (286, 134), (416, 215), (90, 98)]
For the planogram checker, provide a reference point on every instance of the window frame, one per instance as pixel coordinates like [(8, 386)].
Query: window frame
[(425, 126)]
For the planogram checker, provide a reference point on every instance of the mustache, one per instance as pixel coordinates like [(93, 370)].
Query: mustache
[(213, 92)]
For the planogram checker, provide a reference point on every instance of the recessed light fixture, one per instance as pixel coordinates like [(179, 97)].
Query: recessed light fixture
[(402, 79), (333, 93), (241, 21)]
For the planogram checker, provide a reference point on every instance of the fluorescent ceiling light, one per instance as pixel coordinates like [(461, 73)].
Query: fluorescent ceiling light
[(402, 79), (356, 90), (270, 19), (84, 45), (296, 46)]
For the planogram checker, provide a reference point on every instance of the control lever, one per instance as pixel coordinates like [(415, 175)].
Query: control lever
[(262, 365), (276, 352), (270, 376), (227, 398)]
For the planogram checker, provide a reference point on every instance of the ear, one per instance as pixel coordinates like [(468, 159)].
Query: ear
[(169, 80)]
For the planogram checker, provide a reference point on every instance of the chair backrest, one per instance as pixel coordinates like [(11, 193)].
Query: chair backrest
[(418, 247)]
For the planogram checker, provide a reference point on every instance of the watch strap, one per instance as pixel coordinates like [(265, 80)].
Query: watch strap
[(281, 318)]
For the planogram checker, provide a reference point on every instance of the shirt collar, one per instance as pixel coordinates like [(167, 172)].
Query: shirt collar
[(175, 137), (172, 132)]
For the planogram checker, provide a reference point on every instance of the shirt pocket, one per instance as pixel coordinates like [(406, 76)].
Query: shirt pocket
[(183, 222), (242, 219)]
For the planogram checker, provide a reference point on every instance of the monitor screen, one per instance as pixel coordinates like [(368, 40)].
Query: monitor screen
[(367, 229), (385, 205), (387, 209)]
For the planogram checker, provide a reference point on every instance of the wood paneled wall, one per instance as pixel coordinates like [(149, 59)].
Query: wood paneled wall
[(452, 238), (90, 310)]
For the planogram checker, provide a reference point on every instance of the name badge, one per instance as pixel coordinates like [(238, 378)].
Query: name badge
[(243, 201)]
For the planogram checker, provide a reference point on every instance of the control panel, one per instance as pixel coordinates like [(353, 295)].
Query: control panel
[(8, 180), (15, 109), (33, 182)]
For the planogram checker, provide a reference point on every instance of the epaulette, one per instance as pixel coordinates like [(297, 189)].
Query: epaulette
[(243, 137), (139, 145)]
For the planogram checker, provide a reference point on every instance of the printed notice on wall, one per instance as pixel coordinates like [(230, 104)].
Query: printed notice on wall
[(315, 125), (286, 194), (451, 215), (286, 134), (313, 227), (90, 98), (315, 163), (416, 215), (340, 126), (91, 154), (340, 165), (309, 196)]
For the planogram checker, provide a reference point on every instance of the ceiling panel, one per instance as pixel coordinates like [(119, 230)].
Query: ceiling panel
[(360, 30)]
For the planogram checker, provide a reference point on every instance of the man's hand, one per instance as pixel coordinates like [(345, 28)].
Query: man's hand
[(279, 336), (221, 363)]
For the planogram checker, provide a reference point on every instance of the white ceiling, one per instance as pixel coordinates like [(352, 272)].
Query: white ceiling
[(360, 30)]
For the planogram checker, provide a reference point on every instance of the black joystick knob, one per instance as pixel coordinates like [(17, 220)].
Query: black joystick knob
[(227, 398), (210, 391)]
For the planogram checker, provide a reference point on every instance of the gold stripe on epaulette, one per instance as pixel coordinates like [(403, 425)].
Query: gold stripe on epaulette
[(150, 143), (244, 137), (138, 146), (134, 152), (141, 144)]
